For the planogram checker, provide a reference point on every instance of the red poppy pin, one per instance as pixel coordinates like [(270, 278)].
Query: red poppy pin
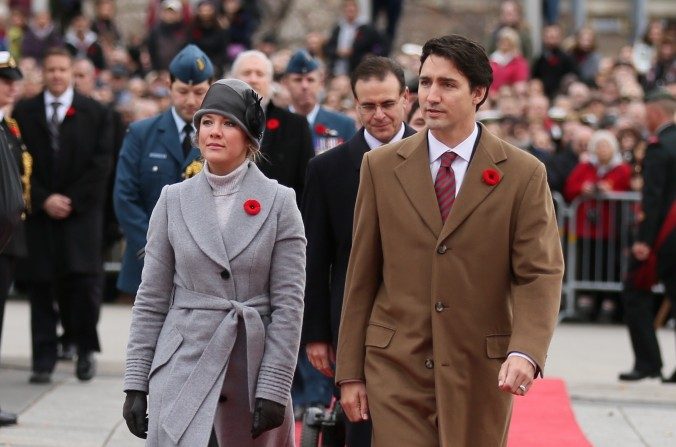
[(490, 177), (325, 131), (70, 111), (652, 139), (320, 129), (252, 207), (272, 124)]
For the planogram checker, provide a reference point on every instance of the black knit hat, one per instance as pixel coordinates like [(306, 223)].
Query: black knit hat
[(237, 101)]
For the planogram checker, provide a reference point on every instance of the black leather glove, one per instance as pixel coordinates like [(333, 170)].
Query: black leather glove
[(135, 413), (267, 415)]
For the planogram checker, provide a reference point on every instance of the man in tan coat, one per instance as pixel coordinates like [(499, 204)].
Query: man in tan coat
[(454, 279)]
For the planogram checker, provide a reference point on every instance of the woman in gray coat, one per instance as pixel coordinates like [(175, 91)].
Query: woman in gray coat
[(216, 323)]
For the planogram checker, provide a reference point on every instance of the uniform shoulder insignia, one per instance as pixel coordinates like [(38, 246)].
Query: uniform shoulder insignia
[(13, 127), (193, 169)]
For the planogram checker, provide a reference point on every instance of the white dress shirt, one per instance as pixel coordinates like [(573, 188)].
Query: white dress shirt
[(180, 124), (461, 162), (65, 101), (373, 142), (311, 117)]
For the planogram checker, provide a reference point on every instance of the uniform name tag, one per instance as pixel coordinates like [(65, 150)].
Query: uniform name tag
[(157, 155)]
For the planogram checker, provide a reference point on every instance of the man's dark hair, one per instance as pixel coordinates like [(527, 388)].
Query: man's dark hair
[(377, 67), (58, 51), (468, 57)]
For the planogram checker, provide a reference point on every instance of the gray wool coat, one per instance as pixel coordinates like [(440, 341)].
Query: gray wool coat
[(212, 302)]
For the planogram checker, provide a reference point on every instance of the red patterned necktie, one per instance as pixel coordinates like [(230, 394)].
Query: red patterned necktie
[(444, 185)]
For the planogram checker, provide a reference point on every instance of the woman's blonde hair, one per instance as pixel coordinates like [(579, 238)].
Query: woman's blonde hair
[(512, 35)]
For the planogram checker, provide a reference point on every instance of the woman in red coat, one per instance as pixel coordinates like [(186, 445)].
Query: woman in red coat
[(604, 172), (509, 66)]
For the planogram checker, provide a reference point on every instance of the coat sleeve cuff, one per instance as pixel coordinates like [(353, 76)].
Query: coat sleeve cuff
[(136, 375), (274, 383)]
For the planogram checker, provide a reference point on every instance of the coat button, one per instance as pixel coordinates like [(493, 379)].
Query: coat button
[(441, 249), (225, 274), (222, 399), (429, 363), (439, 306)]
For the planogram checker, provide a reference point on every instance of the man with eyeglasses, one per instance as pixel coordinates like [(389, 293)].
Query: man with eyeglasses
[(332, 181)]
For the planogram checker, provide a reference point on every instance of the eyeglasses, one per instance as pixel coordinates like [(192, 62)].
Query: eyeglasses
[(369, 108)]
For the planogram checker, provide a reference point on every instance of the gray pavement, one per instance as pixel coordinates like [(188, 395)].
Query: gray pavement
[(72, 414)]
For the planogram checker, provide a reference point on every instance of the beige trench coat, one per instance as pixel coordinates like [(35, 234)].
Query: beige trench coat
[(431, 310)]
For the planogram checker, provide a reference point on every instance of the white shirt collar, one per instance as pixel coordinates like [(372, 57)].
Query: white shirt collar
[(2, 114), (312, 116), (180, 122), (373, 142), (464, 149), (66, 99)]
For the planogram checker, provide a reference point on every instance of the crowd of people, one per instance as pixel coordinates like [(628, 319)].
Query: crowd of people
[(578, 110)]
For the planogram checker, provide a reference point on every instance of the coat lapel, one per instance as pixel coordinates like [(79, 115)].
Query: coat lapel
[(198, 208), (356, 148), (193, 155), (243, 227), (41, 112), (473, 191), (414, 175), (169, 137)]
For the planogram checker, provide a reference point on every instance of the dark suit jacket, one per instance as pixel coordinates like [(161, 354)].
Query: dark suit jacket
[(550, 67), (286, 148), (332, 182), (659, 194), (367, 40), (17, 244), (79, 170)]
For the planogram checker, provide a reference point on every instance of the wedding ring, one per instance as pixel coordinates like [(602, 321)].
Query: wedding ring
[(523, 389)]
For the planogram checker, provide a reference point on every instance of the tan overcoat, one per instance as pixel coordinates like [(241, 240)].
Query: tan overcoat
[(430, 310)]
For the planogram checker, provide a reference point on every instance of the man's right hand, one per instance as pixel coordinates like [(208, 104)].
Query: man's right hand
[(321, 356), (135, 413), (57, 206), (354, 402)]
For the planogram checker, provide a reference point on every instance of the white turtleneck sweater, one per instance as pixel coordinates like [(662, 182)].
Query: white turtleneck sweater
[(224, 189)]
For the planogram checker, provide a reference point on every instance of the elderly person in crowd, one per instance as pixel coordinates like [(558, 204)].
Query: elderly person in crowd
[(605, 171), (216, 324)]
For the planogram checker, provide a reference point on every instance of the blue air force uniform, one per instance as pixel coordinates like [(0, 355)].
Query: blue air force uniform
[(152, 156), (328, 128)]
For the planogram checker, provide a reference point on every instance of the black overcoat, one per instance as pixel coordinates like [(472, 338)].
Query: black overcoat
[(286, 148), (78, 170), (332, 181)]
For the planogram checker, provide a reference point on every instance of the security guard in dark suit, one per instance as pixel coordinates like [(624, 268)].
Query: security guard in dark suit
[(158, 151), (16, 247)]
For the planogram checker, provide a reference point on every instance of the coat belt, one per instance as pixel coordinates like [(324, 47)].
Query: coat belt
[(216, 354)]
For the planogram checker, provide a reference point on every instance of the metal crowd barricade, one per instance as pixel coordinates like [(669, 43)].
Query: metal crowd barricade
[(597, 246), (561, 210)]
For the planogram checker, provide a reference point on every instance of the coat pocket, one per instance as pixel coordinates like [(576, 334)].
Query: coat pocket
[(166, 350), (497, 345), (378, 336)]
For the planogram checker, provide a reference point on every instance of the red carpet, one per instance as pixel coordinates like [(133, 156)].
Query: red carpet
[(544, 418)]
